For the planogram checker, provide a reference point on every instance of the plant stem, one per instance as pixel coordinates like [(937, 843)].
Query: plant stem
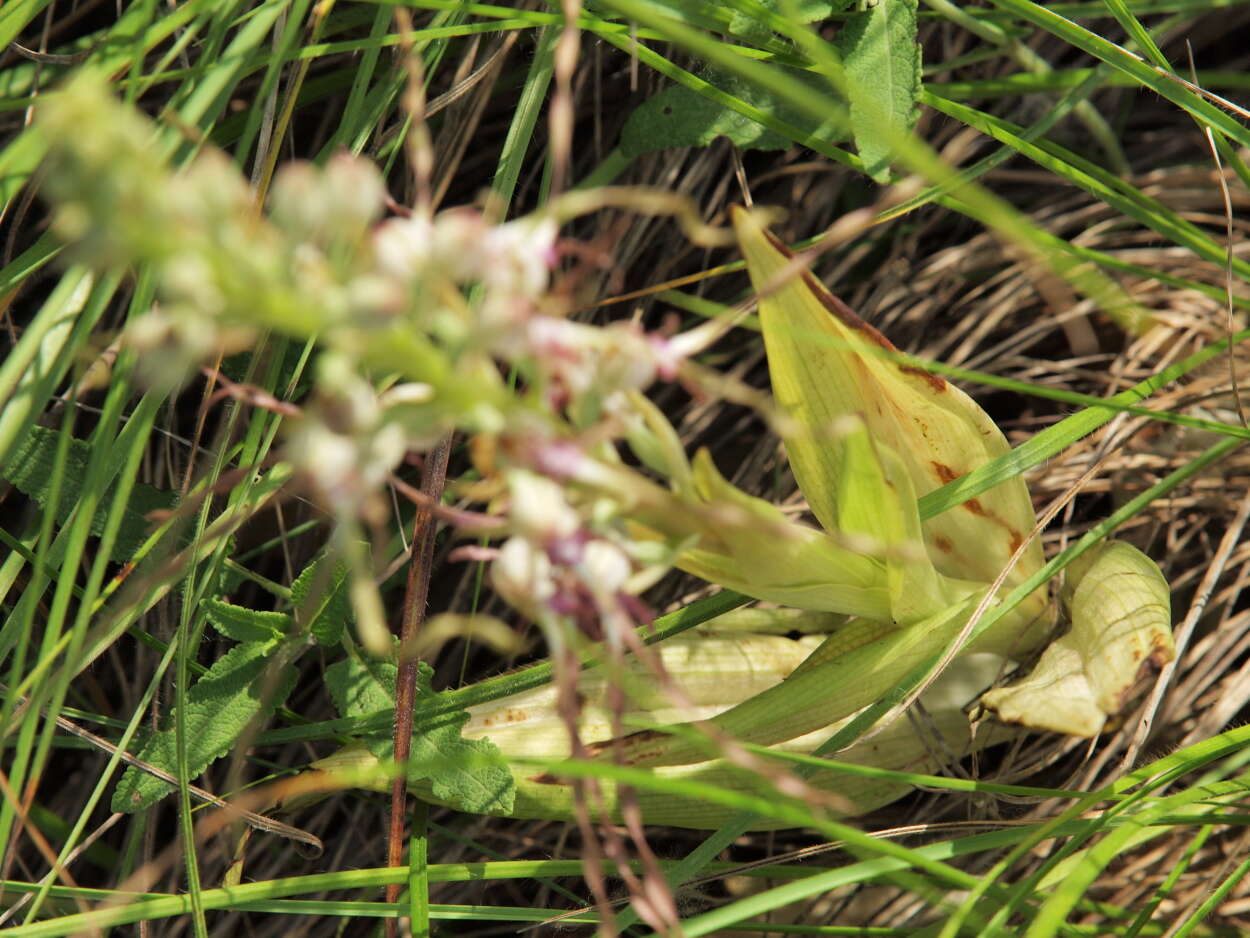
[(433, 478)]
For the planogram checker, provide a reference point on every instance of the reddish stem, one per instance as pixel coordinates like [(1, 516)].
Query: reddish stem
[(433, 478)]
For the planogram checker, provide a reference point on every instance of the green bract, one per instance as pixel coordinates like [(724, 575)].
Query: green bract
[(826, 363)]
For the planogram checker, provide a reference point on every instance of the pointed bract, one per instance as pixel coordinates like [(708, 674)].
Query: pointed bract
[(875, 498), (826, 362)]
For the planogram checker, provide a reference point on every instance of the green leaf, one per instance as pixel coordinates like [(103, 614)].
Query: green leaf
[(882, 61), (361, 688), (875, 497), (246, 625), (760, 552), (756, 29), (237, 689), (322, 599), (682, 117), (452, 765), (30, 471)]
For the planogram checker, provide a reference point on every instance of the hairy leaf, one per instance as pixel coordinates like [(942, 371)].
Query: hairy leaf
[(756, 29), (450, 763), (882, 61), (240, 687), (246, 625), (681, 117), (30, 470), (321, 598)]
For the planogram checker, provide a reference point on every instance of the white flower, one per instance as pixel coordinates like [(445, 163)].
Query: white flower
[(355, 191), (411, 392), (403, 247), (522, 575), (539, 509), (604, 567), (327, 205), (459, 237), (519, 256)]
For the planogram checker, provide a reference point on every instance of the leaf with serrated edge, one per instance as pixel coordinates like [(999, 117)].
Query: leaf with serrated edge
[(882, 65), (245, 625), (679, 116), (439, 757), (233, 692), (328, 612), (30, 471)]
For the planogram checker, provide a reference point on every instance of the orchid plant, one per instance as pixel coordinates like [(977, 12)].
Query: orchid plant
[(417, 317)]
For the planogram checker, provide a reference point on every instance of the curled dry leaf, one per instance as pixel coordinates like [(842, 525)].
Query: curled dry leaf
[(1118, 605)]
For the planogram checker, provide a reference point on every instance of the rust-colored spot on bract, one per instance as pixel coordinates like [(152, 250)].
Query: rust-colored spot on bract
[(1161, 651), (936, 383), (852, 320), (634, 743), (947, 475), (943, 544), (839, 310)]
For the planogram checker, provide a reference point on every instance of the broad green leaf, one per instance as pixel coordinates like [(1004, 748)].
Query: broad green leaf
[(756, 29), (451, 766), (812, 697), (239, 688), (245, 625), (826, 363), (682, 117), (328, 609), (882, 61), (30, 471), (1119, 606)]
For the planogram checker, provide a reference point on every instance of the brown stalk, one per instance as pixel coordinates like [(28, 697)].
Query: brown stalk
[(433, 479)]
